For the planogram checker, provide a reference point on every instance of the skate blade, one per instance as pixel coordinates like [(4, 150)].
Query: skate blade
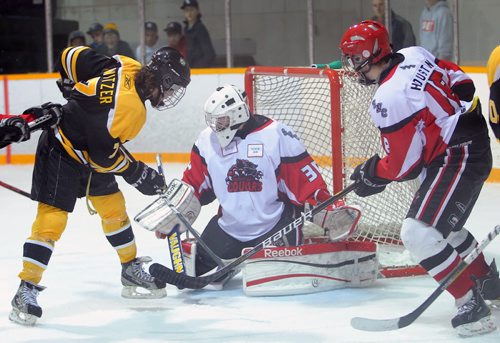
[(136, 292), (493, 304), (481, 327), (22, 318)]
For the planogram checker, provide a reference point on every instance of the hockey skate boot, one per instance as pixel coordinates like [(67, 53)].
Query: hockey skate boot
[(474, 316), (134, 278), (489, 286), (25, 309)]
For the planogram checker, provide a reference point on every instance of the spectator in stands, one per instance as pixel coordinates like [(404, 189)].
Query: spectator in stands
[(436, 29), (95, 32), (175, 38), (113, 45), (200, 51), (76, 38), (402, 35), (150, 41)]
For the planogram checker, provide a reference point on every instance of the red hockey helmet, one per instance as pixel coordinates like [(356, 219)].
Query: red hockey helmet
[(364, 43)]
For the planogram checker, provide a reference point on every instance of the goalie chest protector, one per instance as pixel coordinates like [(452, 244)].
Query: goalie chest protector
[(310, 268)]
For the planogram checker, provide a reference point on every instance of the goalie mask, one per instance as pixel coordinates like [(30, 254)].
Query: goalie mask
[(363, 45), (173, 75), (225, 111)]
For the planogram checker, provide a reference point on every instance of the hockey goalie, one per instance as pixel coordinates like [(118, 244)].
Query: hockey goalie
[(262, 176)]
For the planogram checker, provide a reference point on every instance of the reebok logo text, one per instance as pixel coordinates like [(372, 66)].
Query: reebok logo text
[(286, 252)]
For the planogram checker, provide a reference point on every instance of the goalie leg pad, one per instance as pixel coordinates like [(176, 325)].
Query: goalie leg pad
[(310, 268), (159, 215), (189, 251)]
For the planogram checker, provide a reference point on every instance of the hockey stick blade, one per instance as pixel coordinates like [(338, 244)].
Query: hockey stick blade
[(185, 281), (367, 324)]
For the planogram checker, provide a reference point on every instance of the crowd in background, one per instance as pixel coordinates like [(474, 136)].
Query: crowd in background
[(194, 42)]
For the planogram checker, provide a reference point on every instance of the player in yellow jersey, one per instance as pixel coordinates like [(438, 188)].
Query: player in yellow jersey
[(82, 155), (493, 70)]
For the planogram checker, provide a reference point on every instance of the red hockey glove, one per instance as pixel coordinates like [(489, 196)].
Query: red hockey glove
[(368, 182)]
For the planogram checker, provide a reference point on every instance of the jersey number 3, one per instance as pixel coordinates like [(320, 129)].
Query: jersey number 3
[(311, 171)]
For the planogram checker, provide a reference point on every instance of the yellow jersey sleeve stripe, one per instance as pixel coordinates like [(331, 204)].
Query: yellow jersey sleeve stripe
[(73, 62), (64, 55), (68, 61), (120, 164), (493, 66)]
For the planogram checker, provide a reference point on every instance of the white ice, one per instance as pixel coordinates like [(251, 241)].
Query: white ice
[(82, 302)]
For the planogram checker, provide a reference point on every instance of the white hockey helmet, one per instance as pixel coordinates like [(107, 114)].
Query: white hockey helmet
[(225, 110)]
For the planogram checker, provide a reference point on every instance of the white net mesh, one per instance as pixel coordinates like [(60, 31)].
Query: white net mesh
[(304, 102)]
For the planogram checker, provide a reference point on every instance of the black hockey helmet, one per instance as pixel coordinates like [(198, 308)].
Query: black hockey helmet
[(173, 74)]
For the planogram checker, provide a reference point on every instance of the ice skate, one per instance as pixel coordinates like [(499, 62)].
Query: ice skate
[(489, 286), (474, 316), (138, 284), (25, 309)]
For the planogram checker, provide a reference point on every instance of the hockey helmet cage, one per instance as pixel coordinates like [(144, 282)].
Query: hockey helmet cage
[(173, 74), (225, 110), (364, 44)]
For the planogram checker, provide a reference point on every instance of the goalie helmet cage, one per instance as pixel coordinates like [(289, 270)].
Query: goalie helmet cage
[(328, 110)]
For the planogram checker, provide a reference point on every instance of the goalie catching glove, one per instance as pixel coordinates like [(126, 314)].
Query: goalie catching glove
[(338, 221), (160, 216)]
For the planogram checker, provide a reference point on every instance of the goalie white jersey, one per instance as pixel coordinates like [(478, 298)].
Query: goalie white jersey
[(264, 165)]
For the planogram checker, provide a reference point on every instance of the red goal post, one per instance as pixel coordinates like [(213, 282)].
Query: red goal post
[(329, 112)]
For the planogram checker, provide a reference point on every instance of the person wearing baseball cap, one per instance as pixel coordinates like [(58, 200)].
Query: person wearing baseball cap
[(175, 38), (200, 51), (113, 45), (95, 32), (150, 42), (76, 38)]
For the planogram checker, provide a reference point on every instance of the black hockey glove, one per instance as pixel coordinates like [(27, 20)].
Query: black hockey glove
[(47, 115), (65, 86), (14, 129), (364, 176), (145, 179)]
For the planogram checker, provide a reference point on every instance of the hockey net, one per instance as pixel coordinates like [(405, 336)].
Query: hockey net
[(328, 110)]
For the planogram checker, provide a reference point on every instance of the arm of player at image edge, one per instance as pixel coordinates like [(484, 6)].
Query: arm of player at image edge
[(332, 65), (18, 128)]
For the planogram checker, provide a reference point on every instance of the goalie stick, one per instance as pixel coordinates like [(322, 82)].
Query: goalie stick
[(186, 223), (184, 281), (173, 238), (367, 324)]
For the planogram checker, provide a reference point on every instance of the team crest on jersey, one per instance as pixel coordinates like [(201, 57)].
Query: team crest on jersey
[(378, 107), (243, 176)]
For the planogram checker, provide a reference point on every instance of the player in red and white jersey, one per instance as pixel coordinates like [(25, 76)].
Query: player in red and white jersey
[(258, 170), (431, 125)]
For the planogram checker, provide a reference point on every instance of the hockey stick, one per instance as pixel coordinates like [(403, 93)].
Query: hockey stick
[(367, 324), (186, 223), (173, 238), (15, 189), (184, 281)]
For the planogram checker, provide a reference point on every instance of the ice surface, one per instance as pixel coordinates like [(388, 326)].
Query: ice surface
[(82, 301)]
